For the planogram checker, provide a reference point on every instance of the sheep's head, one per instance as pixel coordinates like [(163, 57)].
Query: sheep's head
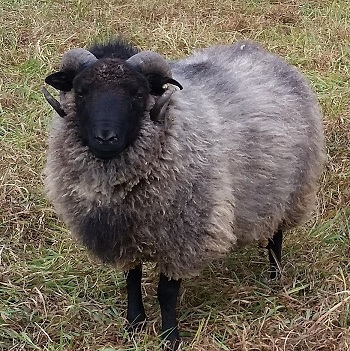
[(111, 96)]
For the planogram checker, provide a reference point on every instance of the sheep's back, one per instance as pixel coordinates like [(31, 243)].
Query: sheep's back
[(261, 127)]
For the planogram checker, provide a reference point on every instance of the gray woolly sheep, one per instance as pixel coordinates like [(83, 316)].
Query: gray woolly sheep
[(141, 170)]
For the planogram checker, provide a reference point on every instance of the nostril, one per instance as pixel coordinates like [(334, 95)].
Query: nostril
[(112, 139), (106, 137)]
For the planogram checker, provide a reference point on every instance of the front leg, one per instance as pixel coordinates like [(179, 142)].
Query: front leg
[(136, 312), (168, 290)]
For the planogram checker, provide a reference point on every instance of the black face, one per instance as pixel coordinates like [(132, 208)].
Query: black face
[(111, 97), (110, 103)]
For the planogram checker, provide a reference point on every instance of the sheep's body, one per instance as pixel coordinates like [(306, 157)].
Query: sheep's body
[(238, 159)]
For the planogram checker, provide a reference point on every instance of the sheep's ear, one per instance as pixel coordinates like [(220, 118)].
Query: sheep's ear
[(157, 82), (61, 80)]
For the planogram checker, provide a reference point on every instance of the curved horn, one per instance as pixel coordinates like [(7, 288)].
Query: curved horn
[(158, 111), (74, 59), (53, 102), (149, 62)]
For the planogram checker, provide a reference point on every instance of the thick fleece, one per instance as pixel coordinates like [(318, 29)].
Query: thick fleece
[(237, 158)]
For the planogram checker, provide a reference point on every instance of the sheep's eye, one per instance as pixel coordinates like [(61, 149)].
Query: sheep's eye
[(138, 95), (81, 92)]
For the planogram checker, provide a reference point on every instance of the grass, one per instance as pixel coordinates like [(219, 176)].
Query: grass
[(54, 296)]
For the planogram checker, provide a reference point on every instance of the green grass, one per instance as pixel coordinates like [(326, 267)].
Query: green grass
[(54, 296)]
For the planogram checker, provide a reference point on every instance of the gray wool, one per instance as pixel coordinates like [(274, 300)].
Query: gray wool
[(239, 158)]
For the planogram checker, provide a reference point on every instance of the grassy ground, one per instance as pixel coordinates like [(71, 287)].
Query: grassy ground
[(53, 296)]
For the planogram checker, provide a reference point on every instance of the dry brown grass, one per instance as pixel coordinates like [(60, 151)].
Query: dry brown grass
[(53, 296)]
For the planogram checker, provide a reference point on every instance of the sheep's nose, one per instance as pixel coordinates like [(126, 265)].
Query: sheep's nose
[(106, 137)]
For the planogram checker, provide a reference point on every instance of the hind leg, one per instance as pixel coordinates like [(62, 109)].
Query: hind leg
[(275, 252)]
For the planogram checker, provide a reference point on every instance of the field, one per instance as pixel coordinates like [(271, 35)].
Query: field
[(54, 296)]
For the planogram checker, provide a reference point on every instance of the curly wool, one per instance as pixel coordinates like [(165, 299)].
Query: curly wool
[(238, 159)]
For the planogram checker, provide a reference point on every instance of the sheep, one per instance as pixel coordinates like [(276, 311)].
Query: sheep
[(180, 162)]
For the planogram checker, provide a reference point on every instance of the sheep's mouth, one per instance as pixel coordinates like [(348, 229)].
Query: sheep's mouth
[(104, 154), (106, 151)]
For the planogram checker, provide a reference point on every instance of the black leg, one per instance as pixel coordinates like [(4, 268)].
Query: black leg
[(275, 252), (136, 312), (168, 290)]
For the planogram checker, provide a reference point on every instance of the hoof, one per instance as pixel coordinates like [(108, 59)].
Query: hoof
[(173, 345), (171, 340), (275, 274), (136, 325)]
